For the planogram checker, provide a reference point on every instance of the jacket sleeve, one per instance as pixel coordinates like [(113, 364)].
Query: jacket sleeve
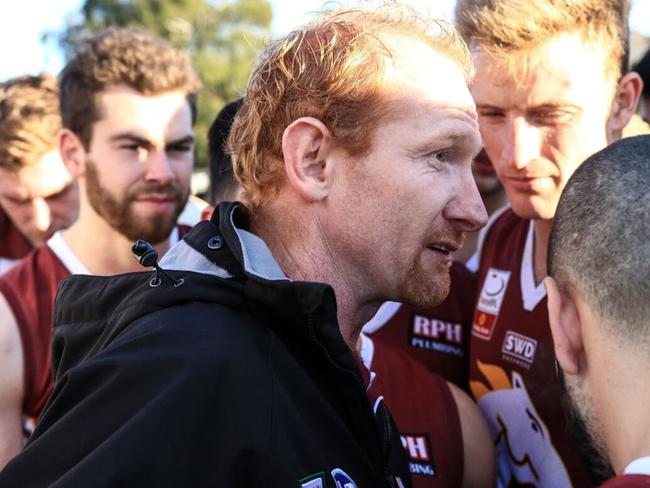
[(174, 401)]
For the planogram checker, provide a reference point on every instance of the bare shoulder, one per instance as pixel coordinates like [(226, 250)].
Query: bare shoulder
[(11, 384), (478, 447)]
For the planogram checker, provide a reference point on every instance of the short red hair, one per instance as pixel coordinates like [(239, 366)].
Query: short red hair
[(330, 69)]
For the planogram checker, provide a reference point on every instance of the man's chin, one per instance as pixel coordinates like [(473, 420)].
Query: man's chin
[(533, 207), (422, 290)]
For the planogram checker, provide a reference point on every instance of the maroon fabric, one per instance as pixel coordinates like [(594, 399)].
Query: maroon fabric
[(438, 337), (425, 413), (628, 481), (512, 369), (13, 245), (30, 288)]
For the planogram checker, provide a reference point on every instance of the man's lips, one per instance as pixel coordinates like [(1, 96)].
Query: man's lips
[(156, 198), (445, 247)]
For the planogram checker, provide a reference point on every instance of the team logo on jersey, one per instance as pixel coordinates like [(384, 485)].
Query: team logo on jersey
[(526, 453), (314, 481), (418, 448), (435, 334), (342, 480), (519, 349), (489, 303)]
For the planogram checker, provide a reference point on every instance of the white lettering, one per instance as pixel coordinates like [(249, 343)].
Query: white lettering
[(421, 325), (416, 446)]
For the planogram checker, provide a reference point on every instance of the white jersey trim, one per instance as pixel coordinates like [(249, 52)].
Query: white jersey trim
[(384, 313), (6, 264), (531, 294), (639, 466), (475, 260), (367, 353), (65, 254)]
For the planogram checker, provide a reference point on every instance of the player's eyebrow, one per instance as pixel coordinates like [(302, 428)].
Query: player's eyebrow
[(189, 139), (130, 137)]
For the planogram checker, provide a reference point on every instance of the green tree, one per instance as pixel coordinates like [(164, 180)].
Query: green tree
[(223, 37)]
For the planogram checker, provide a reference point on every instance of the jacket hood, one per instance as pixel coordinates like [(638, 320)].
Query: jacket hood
[(218, 261)]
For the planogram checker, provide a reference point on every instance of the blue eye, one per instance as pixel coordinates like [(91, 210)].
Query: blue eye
[(440, 155)]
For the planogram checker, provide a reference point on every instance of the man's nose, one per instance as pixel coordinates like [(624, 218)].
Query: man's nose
[(523, 143), (42, 216), (466, 209), (158, 168)]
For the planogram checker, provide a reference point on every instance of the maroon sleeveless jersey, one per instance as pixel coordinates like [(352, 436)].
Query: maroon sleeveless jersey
[(438, 337), (13, 245), (512, 364), (30, 290), (424, 411)]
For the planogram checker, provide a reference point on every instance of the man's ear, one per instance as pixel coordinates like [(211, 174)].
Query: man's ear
[(72, 152), (307, 147), (626, 99), (566, 328)]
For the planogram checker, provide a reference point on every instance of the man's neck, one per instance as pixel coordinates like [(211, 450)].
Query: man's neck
[(101, 248), (541, 234), (303, 255)]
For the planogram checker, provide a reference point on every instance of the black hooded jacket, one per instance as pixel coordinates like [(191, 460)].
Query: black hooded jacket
[(234, 377)]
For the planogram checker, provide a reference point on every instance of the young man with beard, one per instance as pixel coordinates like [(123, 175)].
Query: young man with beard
[(38, 196), (238, 369), (552, 88), (127, 104), (599, 307)]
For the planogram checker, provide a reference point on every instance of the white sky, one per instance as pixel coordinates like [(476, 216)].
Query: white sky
[(24, 21)]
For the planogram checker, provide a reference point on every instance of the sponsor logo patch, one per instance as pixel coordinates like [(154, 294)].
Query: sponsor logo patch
[(435, 334), (418, 448), (519, 347), (342, 480), (489, 303), (314, 481)]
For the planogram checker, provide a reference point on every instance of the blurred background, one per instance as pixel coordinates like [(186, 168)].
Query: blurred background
[(223, 36)]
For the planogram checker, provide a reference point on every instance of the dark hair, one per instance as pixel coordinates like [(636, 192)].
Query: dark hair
[(113, 57), (223, 185), (600, 241)]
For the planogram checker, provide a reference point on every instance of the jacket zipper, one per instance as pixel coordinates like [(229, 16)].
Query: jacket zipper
[(359, 383)]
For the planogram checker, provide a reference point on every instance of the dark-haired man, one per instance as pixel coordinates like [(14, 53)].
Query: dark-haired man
[(599, 307), (127, 104), (223, 185)]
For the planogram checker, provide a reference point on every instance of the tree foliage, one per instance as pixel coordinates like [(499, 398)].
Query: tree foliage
[(223, 38)]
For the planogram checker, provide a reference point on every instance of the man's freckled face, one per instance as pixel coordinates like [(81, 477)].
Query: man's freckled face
[(407, 203)]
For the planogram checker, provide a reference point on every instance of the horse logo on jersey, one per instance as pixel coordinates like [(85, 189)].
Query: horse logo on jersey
[(418, 448), (524, 448), (489, 303)]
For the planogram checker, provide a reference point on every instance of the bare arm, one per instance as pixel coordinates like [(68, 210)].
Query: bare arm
[(478, 448), (11, 385)]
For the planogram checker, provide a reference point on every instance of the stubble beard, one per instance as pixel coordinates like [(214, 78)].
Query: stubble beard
[(584, 428), (419, 288), (120, 213)]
